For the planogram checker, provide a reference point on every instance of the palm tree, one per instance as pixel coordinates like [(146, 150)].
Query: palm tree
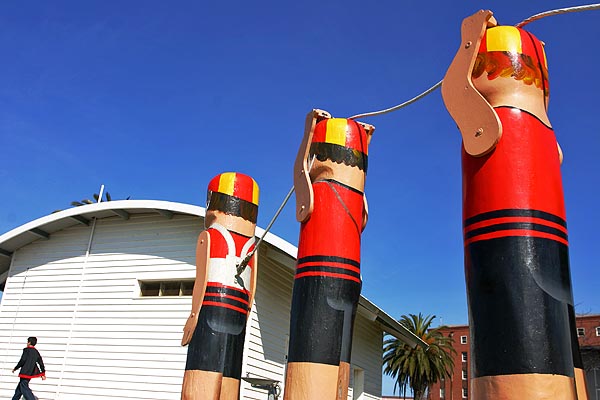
[(105, 197), (88, 201), (418, 368)]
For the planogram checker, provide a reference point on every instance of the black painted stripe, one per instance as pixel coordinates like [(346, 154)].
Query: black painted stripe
[(340, 154), (333, 259), (218, 351), (227, 291), (516, 225), (226, 300), (527, 112), (339, 184), (321, 321), (518, 292), (323, 268), (515, 212)]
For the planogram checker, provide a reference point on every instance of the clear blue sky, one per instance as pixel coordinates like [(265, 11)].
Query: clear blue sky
[(153, 98)]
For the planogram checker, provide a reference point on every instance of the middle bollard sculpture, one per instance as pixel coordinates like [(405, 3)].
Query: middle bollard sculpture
[(329, 179)]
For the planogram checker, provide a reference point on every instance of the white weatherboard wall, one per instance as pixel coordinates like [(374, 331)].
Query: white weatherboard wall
[(98, 337), (266, 345), (101, 340), (367, 354)]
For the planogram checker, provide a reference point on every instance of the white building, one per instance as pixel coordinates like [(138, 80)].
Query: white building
[(106, 288)]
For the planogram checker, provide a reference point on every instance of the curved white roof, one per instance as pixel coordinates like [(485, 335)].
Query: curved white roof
[(44, 227)]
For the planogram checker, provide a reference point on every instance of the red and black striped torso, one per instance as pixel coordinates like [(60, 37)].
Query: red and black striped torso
[(516, 252), (329, 242), (218, 341), (327, 282), (517, 189), (223, 288)]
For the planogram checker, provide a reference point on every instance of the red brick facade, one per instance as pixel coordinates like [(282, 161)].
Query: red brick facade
[(588, 330), (457, 388), (454, 388)]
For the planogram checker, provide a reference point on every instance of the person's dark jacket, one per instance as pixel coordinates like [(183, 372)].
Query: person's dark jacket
[(31, 364)]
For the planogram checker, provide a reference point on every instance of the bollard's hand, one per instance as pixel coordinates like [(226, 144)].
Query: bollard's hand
[(189, 328), (478, 122)]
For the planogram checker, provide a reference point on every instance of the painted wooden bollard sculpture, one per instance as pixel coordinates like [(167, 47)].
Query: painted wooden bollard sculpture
[(329, 179), (222, 296), (515, 236)]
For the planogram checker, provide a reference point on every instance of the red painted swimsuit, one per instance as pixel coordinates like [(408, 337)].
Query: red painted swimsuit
[(327, 282), (516, 252), (218, 341)]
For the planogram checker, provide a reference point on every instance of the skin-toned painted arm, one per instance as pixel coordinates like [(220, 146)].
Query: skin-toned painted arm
[(302, 183), (478, 122), (253, 278), (369, 129), (202, 257), (365, 212)]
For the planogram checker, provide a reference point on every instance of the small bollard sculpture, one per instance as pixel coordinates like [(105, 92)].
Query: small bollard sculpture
[(329, 179), (515, 235), (222, 296)]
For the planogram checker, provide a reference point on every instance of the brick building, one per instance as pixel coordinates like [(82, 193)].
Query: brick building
[(457, 388)]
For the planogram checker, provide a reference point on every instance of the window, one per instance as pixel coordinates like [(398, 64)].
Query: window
[(580, 332), (465, 393), (149, 289), (463, 340), (166, 288), (170, 288), (464, 375), (464, 356), (442, 393), (598, 331)]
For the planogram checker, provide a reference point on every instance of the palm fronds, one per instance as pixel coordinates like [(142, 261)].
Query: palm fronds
[(418, 368)]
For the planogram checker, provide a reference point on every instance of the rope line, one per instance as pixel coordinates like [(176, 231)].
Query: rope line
[(399, 106), (242, 265), (558, 11), (589, 7)]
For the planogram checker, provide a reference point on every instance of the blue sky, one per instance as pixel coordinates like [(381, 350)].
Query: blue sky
[(154, 98)]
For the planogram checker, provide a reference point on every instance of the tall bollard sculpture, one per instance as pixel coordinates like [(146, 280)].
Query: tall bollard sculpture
[(515, 235), (222, 295), (329, 179)]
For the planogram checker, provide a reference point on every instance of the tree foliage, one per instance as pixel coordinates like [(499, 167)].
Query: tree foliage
[(418, 368), (106, 196)]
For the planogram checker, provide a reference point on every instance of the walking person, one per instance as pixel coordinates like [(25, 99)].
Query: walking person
[(31, 365)]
